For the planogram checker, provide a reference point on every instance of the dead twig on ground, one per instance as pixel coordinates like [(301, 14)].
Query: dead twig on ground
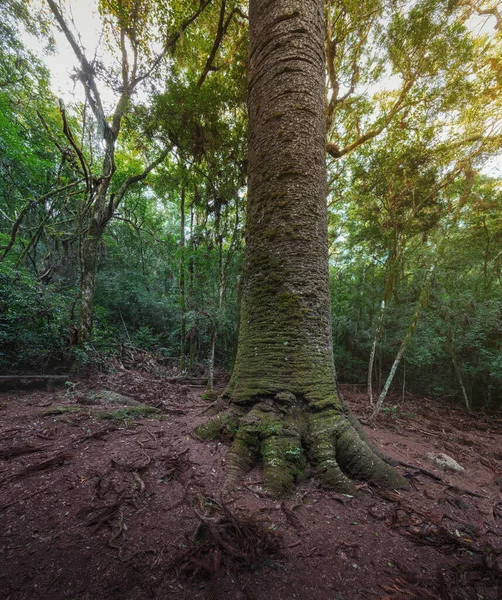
[(54, 461), (23, 498), (15, 451)]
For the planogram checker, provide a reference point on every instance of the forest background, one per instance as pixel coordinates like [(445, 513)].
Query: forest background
[(122, 212)]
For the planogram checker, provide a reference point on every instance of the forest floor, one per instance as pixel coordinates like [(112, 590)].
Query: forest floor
[(115, 502)]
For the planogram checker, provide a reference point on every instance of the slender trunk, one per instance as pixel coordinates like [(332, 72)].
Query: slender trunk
[(89, 262), (182, 282), (387, 295), (376, 339), (212, 346), (191, 273), (404, 381), (458, 373), (404, 344), (360, 303)]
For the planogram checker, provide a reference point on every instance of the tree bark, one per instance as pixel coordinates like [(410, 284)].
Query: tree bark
[(282, 392), (90, 253), (182, 297), (191, 275)]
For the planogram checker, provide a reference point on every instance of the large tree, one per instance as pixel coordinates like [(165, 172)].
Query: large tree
[(283, 402), (131, 24)]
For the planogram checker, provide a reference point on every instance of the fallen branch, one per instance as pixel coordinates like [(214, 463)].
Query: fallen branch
[(394, 462), (188, 380), (14, 452), (462, 490), (27, 497), (96, 435), (45, 464)]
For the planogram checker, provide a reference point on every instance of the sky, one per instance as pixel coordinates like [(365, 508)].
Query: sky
[(86, 24)]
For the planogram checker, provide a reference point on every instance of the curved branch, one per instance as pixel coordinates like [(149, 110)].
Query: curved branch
[(91, 90), (69, 136), (223, 25), (337, 152), (31, 204), (116, 199)]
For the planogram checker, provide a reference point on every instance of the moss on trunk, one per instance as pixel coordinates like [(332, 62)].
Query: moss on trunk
[(283, 404)]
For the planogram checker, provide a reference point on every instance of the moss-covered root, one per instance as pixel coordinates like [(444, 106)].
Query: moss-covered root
[(337, 447), (220, 427), (358, 460), (272, 436), (322, 445)]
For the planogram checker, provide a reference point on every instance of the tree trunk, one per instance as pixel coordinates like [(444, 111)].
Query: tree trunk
[(183, 317), (376, 339), (424, 293), (89, 255), (191, 273), (387, 295), (212, 348), (282, 392), (458, 373)]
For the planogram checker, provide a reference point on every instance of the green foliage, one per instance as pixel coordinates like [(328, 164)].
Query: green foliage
[(34, 322), (461, 323)]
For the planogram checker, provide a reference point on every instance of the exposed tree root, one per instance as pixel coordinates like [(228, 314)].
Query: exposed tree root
[(287, 435), (224, 539), (54, 461)]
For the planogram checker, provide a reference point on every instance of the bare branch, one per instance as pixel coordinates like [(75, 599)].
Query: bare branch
[(87, 71), (31, 204), (171, 42), (116, 199), (337, 152), (488, 11), (223, 25)]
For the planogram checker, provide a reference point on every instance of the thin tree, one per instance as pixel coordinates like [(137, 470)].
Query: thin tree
[(424, 292), (100, 202)]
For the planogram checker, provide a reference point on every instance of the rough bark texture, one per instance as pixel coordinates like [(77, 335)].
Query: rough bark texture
[(89, 254), (182, 298), (284, 406)]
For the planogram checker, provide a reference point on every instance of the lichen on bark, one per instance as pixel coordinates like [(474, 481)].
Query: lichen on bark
[(282, 399)]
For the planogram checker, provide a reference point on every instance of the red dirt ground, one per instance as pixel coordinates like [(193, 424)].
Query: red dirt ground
[(133, 509)]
